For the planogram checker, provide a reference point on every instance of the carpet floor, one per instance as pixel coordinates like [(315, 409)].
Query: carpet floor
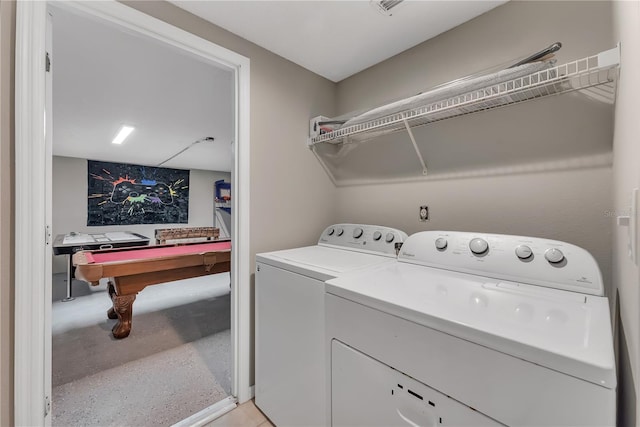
[(175, 362)]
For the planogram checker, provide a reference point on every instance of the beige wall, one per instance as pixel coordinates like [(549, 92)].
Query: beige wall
[(70, 202), (569, 205), (7, 43), (626, 176)]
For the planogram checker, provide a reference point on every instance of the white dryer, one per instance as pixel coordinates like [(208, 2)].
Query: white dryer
[(289, 317), (472, 329)]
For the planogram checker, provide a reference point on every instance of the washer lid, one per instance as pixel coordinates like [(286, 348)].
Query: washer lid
[(322, 262), (564, 331)]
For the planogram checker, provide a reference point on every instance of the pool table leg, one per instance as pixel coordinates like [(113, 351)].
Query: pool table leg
[(122, 310)]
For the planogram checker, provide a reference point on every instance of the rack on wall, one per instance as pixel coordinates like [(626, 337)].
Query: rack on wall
[(595, 74)]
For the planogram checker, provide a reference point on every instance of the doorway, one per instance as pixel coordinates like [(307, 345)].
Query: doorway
[(31, 271)]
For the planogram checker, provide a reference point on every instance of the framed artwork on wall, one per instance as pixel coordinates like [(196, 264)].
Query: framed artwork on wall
[(125, 194)]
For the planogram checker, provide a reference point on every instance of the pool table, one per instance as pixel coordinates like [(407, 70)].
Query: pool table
[(68, 244), (130, 270)]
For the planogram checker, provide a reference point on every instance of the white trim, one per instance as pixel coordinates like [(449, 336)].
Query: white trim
[(48, 175), (30, 247), (30, 192), (208, 414), (241, 235)]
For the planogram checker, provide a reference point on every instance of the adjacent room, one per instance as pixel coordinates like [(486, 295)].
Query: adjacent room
[(166, 183)]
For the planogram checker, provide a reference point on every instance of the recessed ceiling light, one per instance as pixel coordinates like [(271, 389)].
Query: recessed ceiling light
[(122, 135)]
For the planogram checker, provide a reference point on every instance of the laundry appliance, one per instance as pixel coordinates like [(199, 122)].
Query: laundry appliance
[(289, 317), (472, 329)]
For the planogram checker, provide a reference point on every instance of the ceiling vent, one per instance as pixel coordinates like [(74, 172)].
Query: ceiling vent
[(385, 6)]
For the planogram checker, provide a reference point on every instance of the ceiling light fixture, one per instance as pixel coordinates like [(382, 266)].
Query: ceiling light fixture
[(122, 135), (385, 6)]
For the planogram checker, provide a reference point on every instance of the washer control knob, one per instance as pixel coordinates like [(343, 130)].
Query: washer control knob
[(389, 237), (478, 246), (554, 255), (357, 233), (377, 236), (330, 231), (523, 252), (441, 243), (340, 231)]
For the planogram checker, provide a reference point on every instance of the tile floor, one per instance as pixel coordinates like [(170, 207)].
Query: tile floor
[(245, 415)]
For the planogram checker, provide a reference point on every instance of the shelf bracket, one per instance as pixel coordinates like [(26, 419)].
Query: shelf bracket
[(415, 146)]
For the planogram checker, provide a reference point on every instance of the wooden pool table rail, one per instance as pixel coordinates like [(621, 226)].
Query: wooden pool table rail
[(128, 277), (201, 264)]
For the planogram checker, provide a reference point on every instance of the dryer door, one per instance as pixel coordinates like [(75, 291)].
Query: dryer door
[(366, 392)]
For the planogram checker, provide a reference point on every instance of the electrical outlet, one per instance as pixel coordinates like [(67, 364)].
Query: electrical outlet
[(424, 213)]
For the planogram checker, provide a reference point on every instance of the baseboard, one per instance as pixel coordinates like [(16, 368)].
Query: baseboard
[(209, 413)]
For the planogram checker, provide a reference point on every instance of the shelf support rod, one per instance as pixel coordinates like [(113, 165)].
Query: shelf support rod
[(415, 146)]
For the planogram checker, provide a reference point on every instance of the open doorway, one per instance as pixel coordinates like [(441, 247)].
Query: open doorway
[(166, 177), (32, 296)]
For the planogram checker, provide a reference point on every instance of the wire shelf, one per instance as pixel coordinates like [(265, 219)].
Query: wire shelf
[(597, 71)]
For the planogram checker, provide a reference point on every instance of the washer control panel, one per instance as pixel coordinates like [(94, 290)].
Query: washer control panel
[(365, 238), (529, 260)]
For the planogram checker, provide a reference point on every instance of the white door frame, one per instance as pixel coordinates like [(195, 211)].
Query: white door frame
[(31, 326)]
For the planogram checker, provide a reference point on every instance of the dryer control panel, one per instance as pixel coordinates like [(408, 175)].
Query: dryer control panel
[(520, 259), (365, 238)]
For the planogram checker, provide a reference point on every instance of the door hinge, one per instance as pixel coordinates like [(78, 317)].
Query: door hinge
[(47, 63), (47, 235), (258, 268), (47, 405)]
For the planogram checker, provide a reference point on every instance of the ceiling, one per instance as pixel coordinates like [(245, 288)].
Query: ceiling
[(105, 77), (337, 39)]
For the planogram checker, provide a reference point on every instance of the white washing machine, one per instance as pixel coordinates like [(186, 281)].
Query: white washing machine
[(289, 317), (471, 329)]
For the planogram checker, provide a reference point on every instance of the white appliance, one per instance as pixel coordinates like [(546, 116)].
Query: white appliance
[(289, 317), (472, 329)]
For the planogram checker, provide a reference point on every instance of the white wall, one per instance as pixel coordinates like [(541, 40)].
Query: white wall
[(564, 204), (626, 176), (70, 202)]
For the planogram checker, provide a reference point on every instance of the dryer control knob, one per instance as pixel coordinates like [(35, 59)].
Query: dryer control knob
[(377, 236), (389, 237), (340, 231), (330, 231), (478, 246), (357, 233), (441, 243), (523, 252), (554, 255)]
